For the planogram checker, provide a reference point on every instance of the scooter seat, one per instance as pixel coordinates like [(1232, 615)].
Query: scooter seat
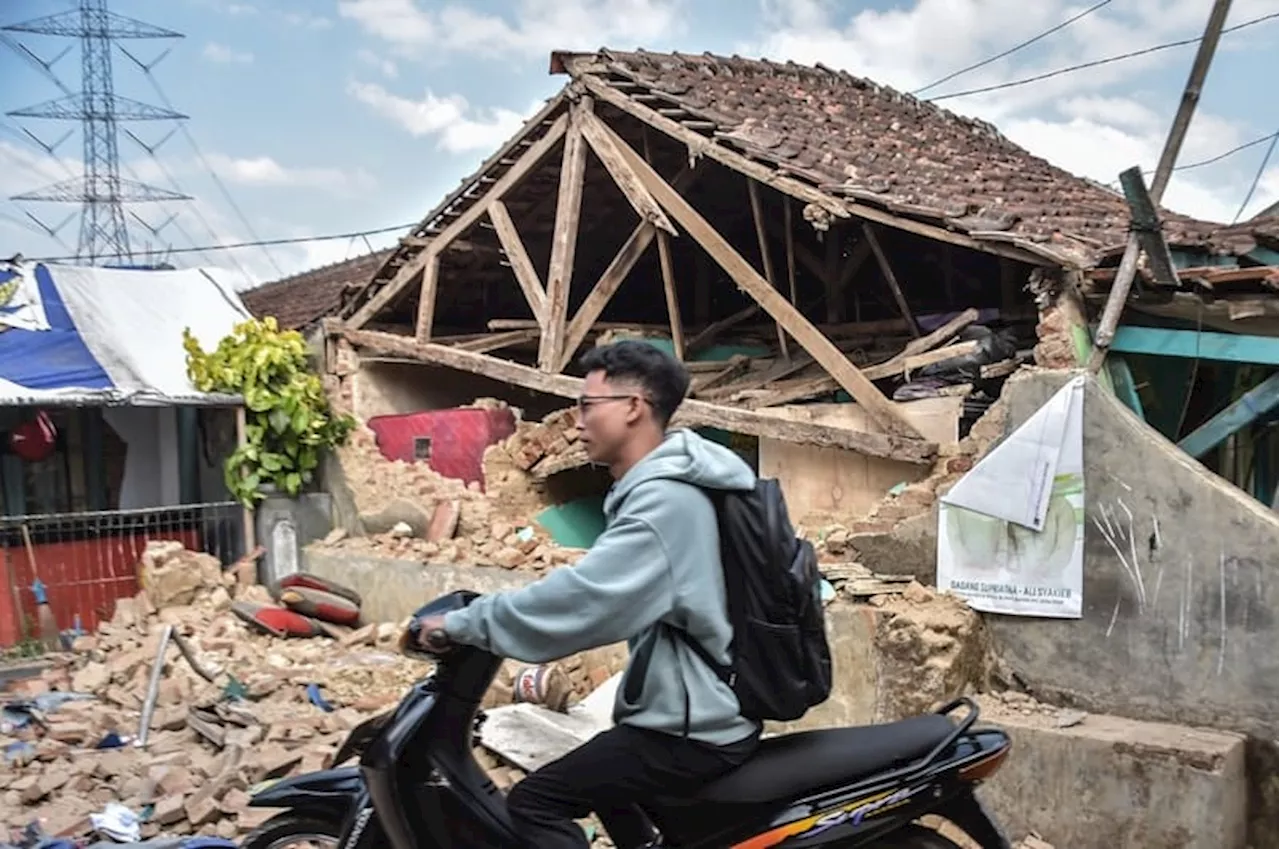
[(792, 765)]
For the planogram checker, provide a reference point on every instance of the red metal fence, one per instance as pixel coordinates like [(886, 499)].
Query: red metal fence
[(88, 560)]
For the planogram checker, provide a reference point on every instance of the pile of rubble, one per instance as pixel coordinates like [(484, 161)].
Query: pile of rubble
[(242, 707)]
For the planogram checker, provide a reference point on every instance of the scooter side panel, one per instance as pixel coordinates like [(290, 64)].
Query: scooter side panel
[(325, 788)]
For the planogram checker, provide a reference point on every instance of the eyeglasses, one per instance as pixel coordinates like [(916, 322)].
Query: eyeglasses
[(586, 402)]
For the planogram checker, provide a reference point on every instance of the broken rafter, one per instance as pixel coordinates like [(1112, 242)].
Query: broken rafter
[(564, 239), (530, 159), (793, 321), (427, 293), (690, 414)]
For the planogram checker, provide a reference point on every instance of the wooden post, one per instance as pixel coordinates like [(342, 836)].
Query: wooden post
[(246, 513), (830, 277), (523, 269), (530, 159), (564, 240), (757, 215), (1119, 293), (791, 248), (427, 294), (890, 278), (792, 320), (673, 299), (603, 290)]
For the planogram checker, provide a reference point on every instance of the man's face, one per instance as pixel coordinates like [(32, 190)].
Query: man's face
[(607, 412)]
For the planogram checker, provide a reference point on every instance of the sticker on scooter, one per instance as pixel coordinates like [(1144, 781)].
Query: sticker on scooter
[(358, 827), (853, 813)]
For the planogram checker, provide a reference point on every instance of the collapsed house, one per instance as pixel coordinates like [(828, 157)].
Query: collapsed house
[(802, 239)]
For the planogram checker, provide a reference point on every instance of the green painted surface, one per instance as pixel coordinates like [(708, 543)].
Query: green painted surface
[(575, 524), (1231, 347), (1125, 388)]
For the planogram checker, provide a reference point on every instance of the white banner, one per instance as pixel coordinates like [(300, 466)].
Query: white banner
[(1011, 531)]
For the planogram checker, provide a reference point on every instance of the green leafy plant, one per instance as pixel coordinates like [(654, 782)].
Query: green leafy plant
[(289, 422)]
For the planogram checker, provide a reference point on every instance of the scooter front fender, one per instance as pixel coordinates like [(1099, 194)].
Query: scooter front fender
[(332, 789)]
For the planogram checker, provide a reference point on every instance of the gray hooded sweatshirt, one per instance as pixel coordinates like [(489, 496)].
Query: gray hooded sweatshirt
[(655, 568)]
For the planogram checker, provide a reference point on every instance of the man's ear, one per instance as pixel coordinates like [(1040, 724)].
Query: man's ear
[(635, 409)]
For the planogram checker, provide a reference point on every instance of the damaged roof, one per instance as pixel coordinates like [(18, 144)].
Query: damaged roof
[(298, 301), (868, 144)]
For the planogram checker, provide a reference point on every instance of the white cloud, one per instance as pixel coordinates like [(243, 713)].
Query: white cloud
[(381, 63), (224, 55), (241, 9), (266, 171), (305, 20), (534, 28), (1089, 122), (450, 120)]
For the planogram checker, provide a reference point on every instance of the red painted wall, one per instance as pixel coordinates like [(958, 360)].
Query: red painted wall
[(458, 438), (83, 576)]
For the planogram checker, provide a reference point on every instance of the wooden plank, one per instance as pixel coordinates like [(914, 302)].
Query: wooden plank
[(757, 215), (669, 290), (427, 294), (496, 341), (737, 365), (1146, 224), (790, 247), (605, 288), (700, 145), (626, 180), (564, 242), (1226, 347), (889, 277), (691, 413), (1257, 402), (521, 266), (808, 336), (530, 159)]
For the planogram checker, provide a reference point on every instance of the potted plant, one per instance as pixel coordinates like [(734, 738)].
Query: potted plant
[(289, 423)]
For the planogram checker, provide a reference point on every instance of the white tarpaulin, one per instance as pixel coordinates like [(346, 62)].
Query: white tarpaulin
[(115, 335), (1011, 531)]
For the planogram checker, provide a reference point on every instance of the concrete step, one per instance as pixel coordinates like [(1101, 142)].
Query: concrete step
[(1106, 782)]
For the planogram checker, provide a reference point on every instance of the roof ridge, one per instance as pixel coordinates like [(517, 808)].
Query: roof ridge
[(820, 70), (292, 278)]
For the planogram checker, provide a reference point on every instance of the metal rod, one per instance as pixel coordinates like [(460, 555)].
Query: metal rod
[(153, 686)]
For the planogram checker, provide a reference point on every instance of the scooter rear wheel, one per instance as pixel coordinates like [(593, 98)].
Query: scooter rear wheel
[(294, 829)]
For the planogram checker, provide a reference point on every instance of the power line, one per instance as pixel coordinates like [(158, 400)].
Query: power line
[(1257, 178), (1097, 62), (1211, 160), (1014, 49), (264, 243)]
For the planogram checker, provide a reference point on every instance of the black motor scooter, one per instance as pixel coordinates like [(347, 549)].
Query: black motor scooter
[(418, 786)]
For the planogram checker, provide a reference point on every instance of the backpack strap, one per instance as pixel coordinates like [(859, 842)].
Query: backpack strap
[(724, 673)]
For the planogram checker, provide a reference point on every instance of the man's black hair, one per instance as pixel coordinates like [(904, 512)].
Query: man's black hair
[(663, 378)]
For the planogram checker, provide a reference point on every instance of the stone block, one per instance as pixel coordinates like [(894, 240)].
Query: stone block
[(1106, 782)]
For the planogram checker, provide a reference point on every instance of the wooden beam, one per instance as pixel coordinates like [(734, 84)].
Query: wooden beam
[(605, 288), (496, 341), (626, 180), (427, 294), (808, 336), (890, 278), (669, 290), (524, 271), (690, 414), (1257, 402), (791, 248), (757, 215), (909, 357), (1226, 347), (700, 145), (529, 160), (564, 241)]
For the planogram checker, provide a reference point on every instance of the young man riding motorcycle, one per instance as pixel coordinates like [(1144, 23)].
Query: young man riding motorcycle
[(655, 570)]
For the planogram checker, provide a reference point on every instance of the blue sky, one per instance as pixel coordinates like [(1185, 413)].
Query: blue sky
[(328, 116)]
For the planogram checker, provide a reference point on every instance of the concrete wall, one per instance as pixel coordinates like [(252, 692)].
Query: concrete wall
[(1194, 641)]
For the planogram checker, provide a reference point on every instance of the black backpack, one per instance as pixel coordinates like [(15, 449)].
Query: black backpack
[(781, 662)]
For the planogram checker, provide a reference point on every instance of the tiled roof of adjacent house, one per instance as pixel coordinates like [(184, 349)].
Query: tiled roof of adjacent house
[(870, 144), (302, 299)]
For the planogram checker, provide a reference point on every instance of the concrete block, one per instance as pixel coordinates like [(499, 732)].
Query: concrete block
[(1107, 782)]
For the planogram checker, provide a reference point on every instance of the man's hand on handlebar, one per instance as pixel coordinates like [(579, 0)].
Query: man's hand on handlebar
[(432, 636)]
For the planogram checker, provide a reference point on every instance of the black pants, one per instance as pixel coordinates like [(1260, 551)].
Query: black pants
[(609, 774)]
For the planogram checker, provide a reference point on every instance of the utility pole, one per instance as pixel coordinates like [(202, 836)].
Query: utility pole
[(1172, 145)]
